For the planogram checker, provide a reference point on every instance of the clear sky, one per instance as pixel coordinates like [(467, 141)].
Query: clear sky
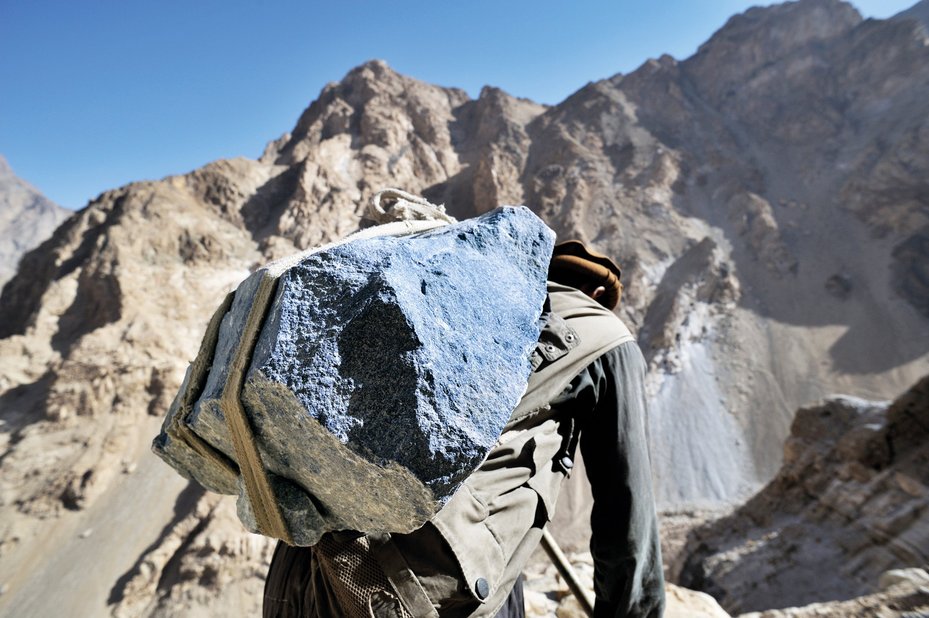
[(95, 94)]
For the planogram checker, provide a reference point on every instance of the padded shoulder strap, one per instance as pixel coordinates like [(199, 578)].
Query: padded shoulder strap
[(579, 331)]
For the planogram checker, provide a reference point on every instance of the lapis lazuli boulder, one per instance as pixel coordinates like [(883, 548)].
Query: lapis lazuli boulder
[(384, 372)]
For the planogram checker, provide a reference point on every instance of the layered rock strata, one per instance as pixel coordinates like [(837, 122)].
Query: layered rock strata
[(852, 501)]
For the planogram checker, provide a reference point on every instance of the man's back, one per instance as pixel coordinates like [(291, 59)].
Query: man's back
[(465, 561)]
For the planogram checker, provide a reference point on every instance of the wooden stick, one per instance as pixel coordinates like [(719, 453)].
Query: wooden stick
[(567, 572)]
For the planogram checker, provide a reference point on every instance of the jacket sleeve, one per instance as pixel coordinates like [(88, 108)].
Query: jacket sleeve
[(626, 549)]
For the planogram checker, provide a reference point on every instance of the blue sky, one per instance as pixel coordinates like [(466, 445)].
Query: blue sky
[(95, 94)]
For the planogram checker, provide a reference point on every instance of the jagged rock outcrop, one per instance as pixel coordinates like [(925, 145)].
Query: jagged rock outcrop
[(903, 600), (851, 501), (203, 565), (26, 219), (732, 186), (919, 11)]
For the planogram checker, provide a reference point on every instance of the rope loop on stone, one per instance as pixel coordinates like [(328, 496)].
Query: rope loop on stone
[(390, 205)]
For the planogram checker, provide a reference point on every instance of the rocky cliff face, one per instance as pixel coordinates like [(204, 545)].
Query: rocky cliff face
[(850, 501), (26, 219), (766, 197), (919, 11)]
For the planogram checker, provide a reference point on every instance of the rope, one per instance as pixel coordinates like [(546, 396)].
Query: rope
[(393, 212), (390, 205)]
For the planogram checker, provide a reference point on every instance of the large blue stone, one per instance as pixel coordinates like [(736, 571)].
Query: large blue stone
[(385, 370)]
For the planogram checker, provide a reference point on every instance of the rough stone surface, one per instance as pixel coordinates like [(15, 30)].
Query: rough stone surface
[(919, 11), (852, 500), (904, 600), (547, 594), (384, 372)]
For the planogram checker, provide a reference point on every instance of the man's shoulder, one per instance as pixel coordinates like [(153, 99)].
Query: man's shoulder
[(579, 330), (596, 324)]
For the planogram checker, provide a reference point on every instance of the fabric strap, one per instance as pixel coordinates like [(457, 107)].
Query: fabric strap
[(267, 511)]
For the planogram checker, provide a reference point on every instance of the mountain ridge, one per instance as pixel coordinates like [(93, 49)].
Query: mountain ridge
[(715, 205), (26, 219)]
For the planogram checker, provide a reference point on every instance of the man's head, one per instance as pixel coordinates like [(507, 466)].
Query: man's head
[(592, 273)]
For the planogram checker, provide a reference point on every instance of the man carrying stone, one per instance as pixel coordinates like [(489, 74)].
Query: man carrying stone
[(586, 391)]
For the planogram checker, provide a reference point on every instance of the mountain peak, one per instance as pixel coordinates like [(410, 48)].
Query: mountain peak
[(371, 71), (763, 36), (789, 25), (919, 11), (371, 101), (764, 33)]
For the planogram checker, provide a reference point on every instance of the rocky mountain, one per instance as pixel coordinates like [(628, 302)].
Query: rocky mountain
[(767, 198), (26, 219), (851, 501), (919, 11)]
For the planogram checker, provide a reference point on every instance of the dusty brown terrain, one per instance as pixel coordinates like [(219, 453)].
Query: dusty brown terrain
[(766, 197)]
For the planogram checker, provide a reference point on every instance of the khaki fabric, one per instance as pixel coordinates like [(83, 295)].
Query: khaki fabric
[(580, 331)]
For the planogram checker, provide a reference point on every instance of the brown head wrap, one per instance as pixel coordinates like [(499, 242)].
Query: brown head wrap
[(575, 265)]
